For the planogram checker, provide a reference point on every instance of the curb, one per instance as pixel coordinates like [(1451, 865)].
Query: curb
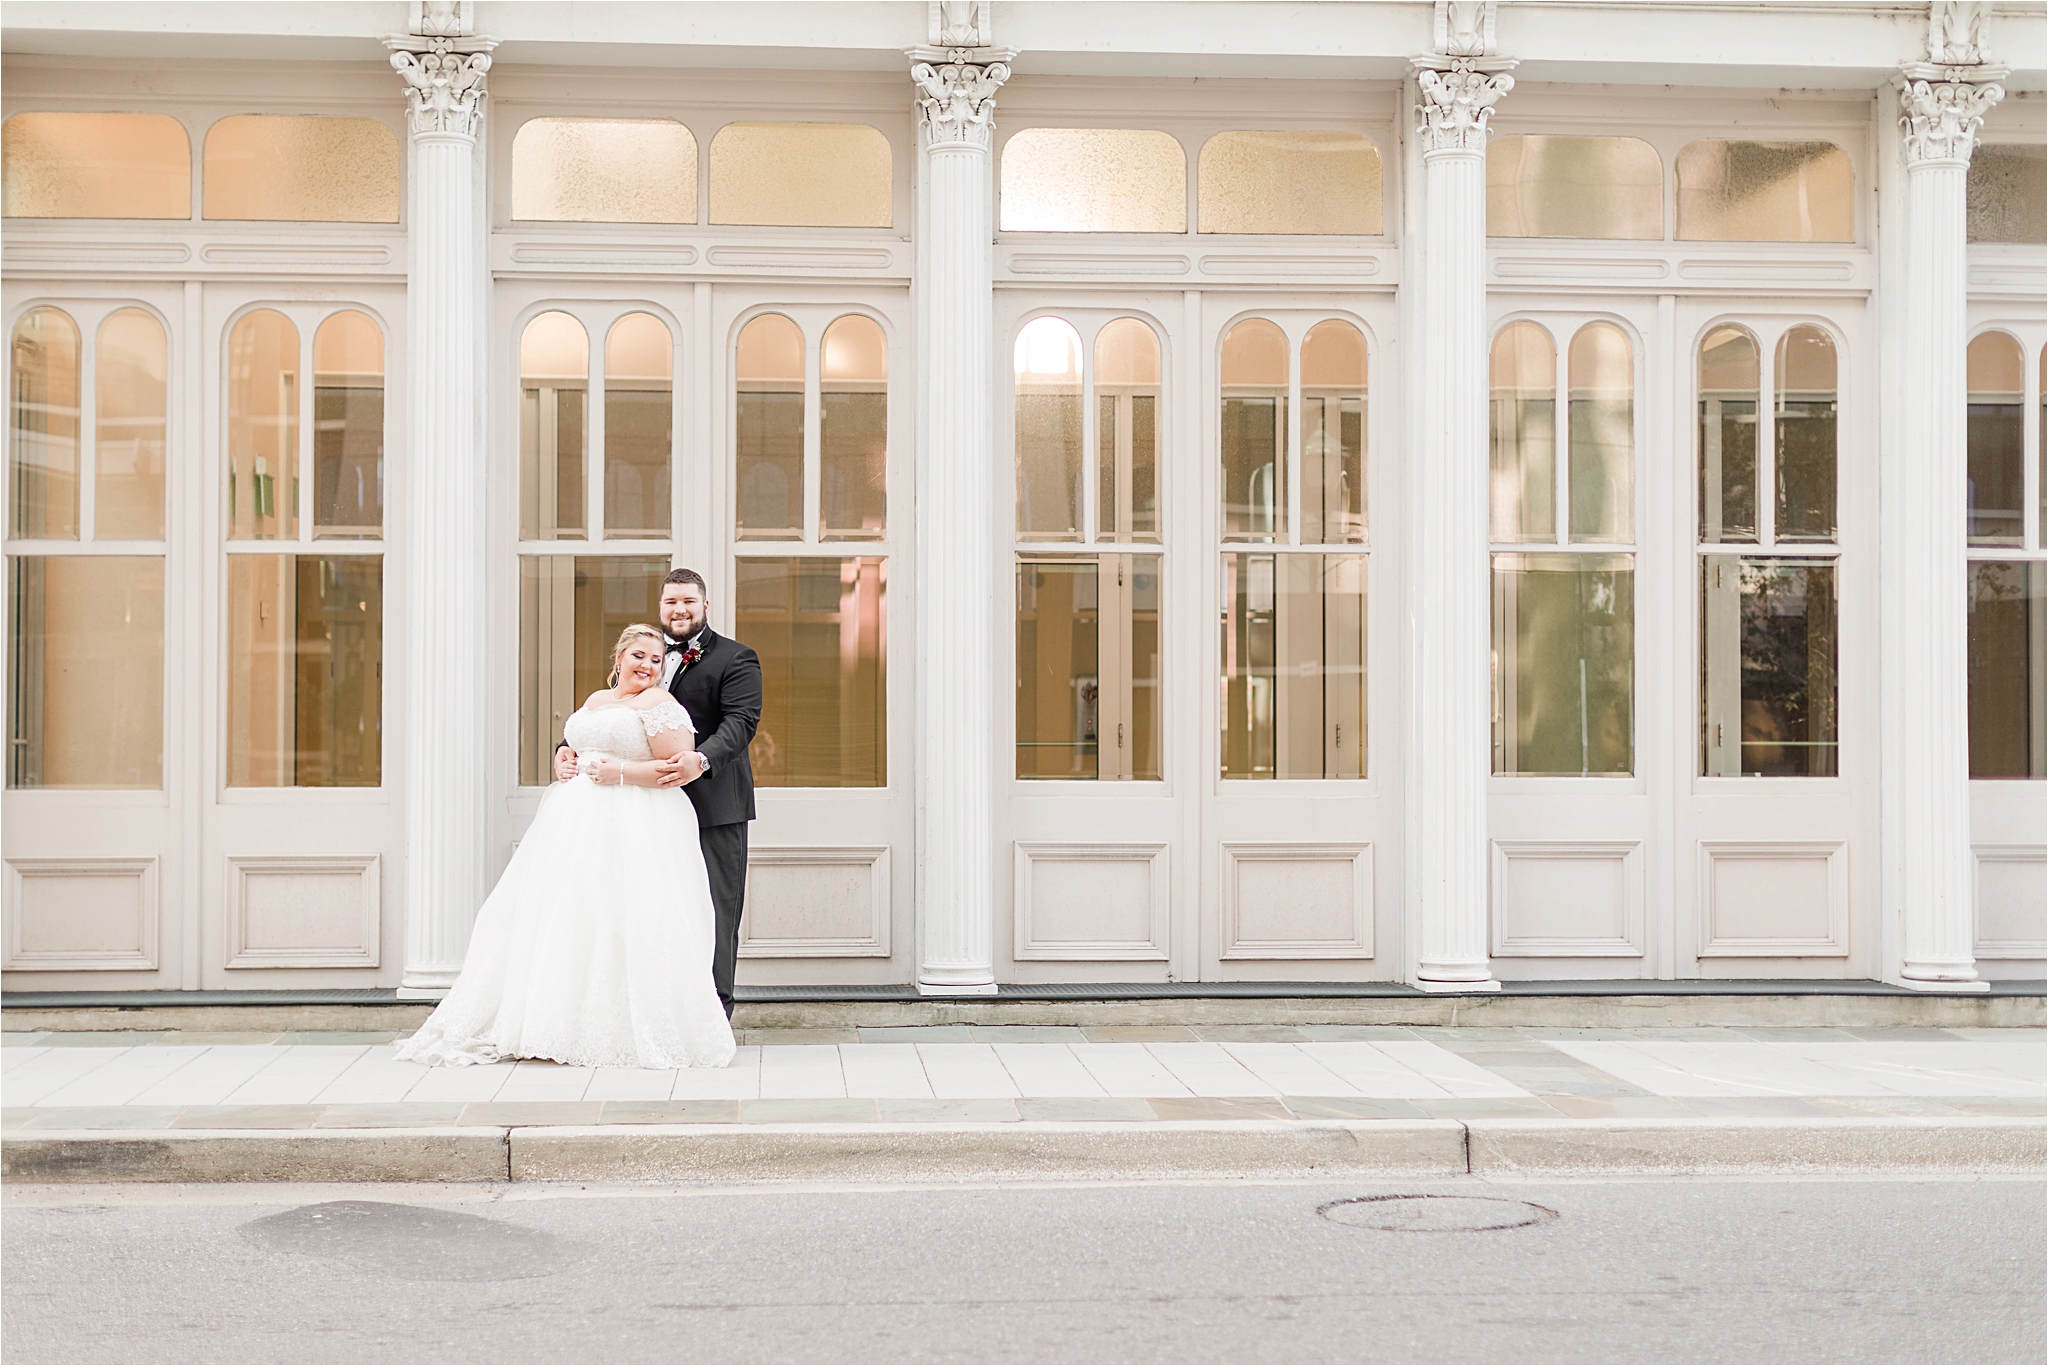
[(884, 1153)]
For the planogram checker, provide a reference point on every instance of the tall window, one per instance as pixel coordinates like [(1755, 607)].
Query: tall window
[(810, 483), (1563, 616), (85, 555), (1292, 442), (1088, 529), (305, 504), (593, 533), (1768, 558), (2008, 574)]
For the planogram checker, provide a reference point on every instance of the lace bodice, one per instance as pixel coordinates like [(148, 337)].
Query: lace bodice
[(613, 730)]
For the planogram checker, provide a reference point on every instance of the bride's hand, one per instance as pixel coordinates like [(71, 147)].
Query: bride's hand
[(608, 773)]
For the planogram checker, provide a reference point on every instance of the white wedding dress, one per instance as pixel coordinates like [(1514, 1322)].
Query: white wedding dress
[(595, 947)]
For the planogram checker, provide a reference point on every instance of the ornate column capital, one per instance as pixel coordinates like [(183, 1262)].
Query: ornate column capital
[(956, 100), (1941, 107), (1458, 95), (444, 80)]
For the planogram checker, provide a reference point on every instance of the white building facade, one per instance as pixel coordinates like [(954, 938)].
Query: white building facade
[(1345, 492)]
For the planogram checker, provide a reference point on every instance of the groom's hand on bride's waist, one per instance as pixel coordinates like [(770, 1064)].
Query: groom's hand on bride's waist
[(565, 764), (683, 768)]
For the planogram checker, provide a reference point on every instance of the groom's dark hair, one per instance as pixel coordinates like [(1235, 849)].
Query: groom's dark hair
[(688, 576)]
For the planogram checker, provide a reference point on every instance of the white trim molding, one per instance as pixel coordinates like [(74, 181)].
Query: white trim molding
[(143, 958), (1629, 944), (1716, 854), (2006, 949), (365, 870), (874, 858), (1153, 948), (1236, 946)]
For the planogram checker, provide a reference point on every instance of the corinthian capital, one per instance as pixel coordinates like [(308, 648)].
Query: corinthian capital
[(1941, 108), (444, 81), (1458, 95), (956, 100)]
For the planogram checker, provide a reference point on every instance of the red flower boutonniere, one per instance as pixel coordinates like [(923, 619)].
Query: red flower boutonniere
[(690, 656)]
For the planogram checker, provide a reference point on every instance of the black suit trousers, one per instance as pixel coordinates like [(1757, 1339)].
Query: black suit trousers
[(725, 859)]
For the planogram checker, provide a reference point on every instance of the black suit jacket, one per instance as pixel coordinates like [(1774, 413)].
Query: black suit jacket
[(722, 693)]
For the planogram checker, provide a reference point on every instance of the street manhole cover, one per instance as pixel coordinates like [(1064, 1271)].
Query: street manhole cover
[(415, 1242), (1436, 1213)]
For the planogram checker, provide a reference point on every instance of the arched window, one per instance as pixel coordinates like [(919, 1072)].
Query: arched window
[(1765, 192), (1288, 182), (1524, 399), (604, 171), (1048, 377), (769, 424), (1094, 180), (1333, 434), (131, 427), (348, 427), (1997, 437), (1254, 377), (639, 426), (554, 385), (2008, 602), (263, 428), (853, 431), (1768, 620), (802, 175), (302, 168), (1548, 186), (96, 166), (44, 427)]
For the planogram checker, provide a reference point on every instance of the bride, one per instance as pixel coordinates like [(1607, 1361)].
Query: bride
[(595, 947)]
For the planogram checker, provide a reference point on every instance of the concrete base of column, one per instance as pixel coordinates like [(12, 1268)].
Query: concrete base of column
[(956, 988), (1936, 984), (1425, 984)]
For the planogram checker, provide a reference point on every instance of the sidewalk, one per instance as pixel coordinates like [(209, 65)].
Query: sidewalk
[(956, 1101)]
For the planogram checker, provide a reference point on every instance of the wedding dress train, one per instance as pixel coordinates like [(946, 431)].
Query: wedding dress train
[(595, 947)]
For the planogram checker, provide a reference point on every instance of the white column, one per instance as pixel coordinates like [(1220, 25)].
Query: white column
[(956, 588), (443, 511), (1925, 627), (1449, 749)]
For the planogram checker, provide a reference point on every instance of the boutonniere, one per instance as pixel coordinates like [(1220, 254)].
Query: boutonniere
[(690, 656)]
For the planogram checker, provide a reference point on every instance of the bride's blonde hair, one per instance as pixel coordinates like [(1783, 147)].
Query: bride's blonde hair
[(626, 636)]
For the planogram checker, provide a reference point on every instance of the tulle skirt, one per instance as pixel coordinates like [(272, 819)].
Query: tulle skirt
[(595, 947)]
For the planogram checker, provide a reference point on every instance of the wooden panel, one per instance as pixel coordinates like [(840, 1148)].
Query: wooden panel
[(1297, 901), (2012, 901), (311, 912), (1102, 902), (1774, 900), (81, 915), (1564, 899), (817, 902)]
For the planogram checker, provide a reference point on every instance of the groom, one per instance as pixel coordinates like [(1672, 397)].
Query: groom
[(718, 682)]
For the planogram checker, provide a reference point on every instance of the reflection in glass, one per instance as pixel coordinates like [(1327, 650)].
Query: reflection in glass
[(571, 610), (853, 431), (2007, 195), (820, 627), (263, 428), (129, 428), (1768, 646), (305, 670), (1524, 473), (85, 671), (1997, 441), (1333, 435), (802, 175), (604, 171), (1729, 376), (1563, 665), (1127, 432), (96, 166), (1048, 373), (1288, 182), (2008, 669), (1602, 378), (1804, 456), (1546, 186), (1765, 192), (43, 426), (639, 410), (301, 168), (1088, 667), (1254, 434), (768, 428), (1293, 666), (348, 427), (554, 384), (1094, 180)]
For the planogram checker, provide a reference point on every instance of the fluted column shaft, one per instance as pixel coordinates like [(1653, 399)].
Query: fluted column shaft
[(1925, 629), (445, 796), (956, 597), (1449, 748)]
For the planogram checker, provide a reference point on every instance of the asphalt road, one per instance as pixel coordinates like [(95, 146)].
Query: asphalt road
[(1630, 1271)]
